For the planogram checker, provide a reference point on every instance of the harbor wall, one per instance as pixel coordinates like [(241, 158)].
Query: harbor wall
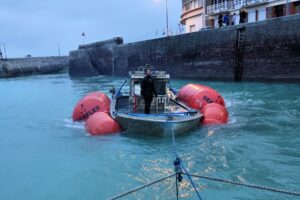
[(35, 65), (93, 59), (270, 52)]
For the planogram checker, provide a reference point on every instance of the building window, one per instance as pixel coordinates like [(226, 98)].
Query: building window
[(187, 7), (192, 28), (279, 11), (251, 15), (270, 12), (199, 3), (296, 6), (191, 4), (261, 14)]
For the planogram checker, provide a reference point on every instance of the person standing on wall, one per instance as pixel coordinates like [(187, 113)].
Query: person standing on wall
[(226, 19), (220, 22), (243, 16), (148, 90), (233, 21)]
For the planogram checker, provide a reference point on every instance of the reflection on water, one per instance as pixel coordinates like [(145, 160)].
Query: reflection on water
[(44, 155)]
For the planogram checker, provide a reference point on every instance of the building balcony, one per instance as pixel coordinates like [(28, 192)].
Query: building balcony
[(233, 5)]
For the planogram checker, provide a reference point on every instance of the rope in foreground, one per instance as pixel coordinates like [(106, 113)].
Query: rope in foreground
[(181, 170), (271, 189), (283, 191), (141, 187)]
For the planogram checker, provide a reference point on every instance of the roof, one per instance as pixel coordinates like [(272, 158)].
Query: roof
[(155, 74)]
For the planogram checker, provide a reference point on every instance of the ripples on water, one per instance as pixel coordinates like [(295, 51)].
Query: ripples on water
[(44, 155)]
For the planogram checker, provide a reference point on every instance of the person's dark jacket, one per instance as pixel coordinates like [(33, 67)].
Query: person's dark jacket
[(147, 87)]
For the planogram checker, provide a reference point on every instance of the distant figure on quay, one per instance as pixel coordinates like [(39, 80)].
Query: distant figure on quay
[(220, 22), (243, 16)]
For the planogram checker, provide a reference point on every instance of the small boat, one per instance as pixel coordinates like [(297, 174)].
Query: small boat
[(167, 114)]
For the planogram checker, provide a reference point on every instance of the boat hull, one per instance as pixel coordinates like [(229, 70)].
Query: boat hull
[(158, 125)]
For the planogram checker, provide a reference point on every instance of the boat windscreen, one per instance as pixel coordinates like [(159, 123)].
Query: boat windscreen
[(137, 88), (160, 87)]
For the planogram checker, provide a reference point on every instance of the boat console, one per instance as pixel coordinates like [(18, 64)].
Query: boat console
[(136, 102)]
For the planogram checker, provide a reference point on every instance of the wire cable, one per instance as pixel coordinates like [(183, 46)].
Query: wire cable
[(295, 193)]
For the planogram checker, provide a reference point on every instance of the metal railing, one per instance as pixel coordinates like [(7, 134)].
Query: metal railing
[(233, 5)]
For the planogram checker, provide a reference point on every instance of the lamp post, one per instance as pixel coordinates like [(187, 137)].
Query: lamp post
[(58, 49), (167, 18), (203, 13), (4, 48), (83, 37), (0, 52)]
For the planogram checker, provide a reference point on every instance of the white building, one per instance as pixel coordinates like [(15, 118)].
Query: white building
[(257, 10), (193, 11), (192, 15)]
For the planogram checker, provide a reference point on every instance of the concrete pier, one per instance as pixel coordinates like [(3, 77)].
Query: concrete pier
[(30, 66)]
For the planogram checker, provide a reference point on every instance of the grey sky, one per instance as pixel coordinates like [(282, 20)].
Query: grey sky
[(36, 27)]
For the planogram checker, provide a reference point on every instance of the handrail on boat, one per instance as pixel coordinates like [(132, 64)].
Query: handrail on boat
[(164, 114), (119, 91), (180, 104)]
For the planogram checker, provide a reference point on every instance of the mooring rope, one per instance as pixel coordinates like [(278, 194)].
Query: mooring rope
[(190, 178), (178, 165), (248, 185), (178, 170), (174, 144), (141, 187), (177, 191)]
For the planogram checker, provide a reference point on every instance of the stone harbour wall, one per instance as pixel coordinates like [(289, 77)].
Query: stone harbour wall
[(270, 52), (34, 65)]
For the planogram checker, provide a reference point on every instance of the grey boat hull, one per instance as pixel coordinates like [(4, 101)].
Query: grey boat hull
[(158, 125)]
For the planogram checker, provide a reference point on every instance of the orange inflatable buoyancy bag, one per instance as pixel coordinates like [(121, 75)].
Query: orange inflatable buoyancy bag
[(90, 104), (101, 123), (197, 96), (214, 113)]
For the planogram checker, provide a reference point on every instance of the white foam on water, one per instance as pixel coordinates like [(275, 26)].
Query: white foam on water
[(76, 125)]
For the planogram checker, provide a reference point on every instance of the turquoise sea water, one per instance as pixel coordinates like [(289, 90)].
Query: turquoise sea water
[(44, 155)]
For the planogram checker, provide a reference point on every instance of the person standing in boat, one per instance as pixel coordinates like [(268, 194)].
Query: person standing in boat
[(148, 90)]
